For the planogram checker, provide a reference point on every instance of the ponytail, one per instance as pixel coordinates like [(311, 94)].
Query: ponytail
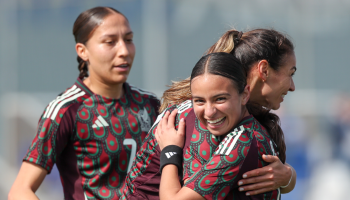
[(82, 67), (227, 42), (271, 122)]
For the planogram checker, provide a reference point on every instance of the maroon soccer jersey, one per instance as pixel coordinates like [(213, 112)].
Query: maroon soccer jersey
[(92, 139), (143, 180), (240, 151)]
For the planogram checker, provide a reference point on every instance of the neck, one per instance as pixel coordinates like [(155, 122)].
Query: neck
[(245, 113), (114, 91), (256, 86)]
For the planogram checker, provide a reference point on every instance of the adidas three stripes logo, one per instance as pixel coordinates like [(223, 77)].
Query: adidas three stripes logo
[(100, 122), (169, 154)]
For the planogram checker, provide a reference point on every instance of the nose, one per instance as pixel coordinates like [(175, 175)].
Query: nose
[(210, 110), (123, 49), (292, 86)]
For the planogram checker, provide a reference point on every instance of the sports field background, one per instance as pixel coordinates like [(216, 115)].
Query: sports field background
[(38, 61)]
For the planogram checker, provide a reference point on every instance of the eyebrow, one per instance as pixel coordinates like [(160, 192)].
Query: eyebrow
[(295, 68), (114, 35), (221, 94)]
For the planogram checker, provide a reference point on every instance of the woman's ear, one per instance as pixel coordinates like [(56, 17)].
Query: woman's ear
[(263, 66), (245, 95), (81, 51)]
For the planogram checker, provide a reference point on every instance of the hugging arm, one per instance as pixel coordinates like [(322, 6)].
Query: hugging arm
[(269, 178), (170, 187)]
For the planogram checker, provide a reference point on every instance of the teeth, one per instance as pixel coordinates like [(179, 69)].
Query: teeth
[(125, 65), (283, 95), (215, 121)]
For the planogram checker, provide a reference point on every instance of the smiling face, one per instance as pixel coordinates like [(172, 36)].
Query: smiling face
[(110, 50), (217, 104), (278, 83)]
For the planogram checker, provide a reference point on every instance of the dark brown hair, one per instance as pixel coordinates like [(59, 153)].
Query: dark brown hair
[(83, 28), (255, 45), (248, 48)]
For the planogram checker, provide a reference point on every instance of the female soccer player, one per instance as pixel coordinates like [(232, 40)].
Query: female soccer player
[(219, 96), (262, 53), (93, 129)]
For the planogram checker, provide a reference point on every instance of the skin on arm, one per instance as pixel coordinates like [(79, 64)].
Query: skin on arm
[(268, 178), (170, 187), (28, 180)]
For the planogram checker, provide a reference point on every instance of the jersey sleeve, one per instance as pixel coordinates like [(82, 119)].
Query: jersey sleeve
[(235, 155), (53, 134)]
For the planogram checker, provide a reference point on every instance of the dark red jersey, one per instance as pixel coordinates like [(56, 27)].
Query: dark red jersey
[(143, 180), (217, 176), (92, 139)]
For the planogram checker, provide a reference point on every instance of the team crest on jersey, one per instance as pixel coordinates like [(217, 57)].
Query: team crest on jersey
[(145, 120)]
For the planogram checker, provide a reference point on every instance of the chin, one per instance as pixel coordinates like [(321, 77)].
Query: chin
[(276, 107), (119, 79)]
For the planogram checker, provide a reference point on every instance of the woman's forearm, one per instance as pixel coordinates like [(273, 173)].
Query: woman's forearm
[(22, 193), (169, 183)]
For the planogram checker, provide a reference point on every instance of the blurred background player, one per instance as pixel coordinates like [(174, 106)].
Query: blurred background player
[(93, 129)]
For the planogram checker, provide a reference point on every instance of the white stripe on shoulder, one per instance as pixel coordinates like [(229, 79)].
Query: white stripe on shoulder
[(71, 91), (58, 107), (223, 146), (184, 106), (142, 91), (222, 143), (159, 117), (238, 134), (228, 139)]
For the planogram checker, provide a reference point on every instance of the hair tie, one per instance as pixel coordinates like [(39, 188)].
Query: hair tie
[(238, 38)]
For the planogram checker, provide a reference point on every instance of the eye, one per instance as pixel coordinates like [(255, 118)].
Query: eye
[(220, 99), (198, 101), (292, 74), (129, 40), (110, 42)]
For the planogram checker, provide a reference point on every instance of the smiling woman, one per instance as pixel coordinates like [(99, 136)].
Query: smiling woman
[(220, 95), (94, 128)]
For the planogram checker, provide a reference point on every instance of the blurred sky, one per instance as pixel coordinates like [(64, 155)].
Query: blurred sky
[(38, 61)]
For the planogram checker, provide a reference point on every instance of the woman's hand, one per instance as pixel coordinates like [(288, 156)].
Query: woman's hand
[(268, 178), (166, 133)]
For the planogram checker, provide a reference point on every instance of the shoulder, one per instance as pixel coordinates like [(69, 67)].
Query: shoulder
[(258, 131), (71, 97), (239, 136), (142, 92), (263, 140)]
